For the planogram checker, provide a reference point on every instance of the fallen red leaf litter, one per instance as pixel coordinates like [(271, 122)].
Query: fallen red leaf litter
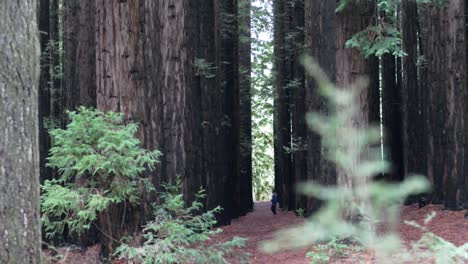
[(261, 224)]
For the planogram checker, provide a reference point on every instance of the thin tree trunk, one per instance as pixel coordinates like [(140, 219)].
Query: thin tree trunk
[(297, 101), (392, 118), (414, 120), (44, 88), (56, 93), (19, 150), (244, 183), (282, 144)]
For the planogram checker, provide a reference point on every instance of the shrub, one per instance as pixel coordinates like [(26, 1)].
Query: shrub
[(178, 234), (99, 162)]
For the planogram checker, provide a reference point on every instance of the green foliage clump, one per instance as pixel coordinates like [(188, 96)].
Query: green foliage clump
[(178, 234), (383, 35), (99, 162), (377, 41), (204, 68)]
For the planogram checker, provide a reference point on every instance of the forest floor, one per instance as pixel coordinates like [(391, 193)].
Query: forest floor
[(261, 224)]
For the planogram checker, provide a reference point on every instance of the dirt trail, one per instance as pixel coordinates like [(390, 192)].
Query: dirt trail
[(260, 225)]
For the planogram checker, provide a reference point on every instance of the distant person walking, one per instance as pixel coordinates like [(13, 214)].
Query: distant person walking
[(274, 200)]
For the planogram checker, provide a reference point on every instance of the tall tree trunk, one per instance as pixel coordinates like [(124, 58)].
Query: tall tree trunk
[(296, 86), (80, 54), (119, 75), (351, 64), (229, 67), (244, 183), (447, 89), (413, 96), (320, 31), (44, 88), (206, 100), (19, 150), (465, 165), (193, 98), (282, 69)]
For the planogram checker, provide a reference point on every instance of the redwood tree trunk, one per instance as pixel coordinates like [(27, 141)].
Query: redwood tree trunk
[(351, 65), (119, 60), (282, 114), (244, 184), (297, 101), (320, 31), (446, 104), (19, 150)]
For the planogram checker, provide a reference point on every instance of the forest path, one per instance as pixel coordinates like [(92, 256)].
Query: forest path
[(260, 225)]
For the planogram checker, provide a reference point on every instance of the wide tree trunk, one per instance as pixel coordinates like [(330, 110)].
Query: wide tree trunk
[(19, 150), (351, 65), (446, 59), (119, 69), (320, 31)]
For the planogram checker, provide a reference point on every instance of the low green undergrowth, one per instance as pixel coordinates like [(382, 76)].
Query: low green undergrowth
[(178, 234)]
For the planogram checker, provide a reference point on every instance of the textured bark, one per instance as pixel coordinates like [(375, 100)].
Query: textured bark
[(392, 118), (446, 103), (351, 64), (465, 165), (119, 61), (19, 150), (80, 54), (244, 192), (206, 102), (193, 113), (320, 31), (119, 56)]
